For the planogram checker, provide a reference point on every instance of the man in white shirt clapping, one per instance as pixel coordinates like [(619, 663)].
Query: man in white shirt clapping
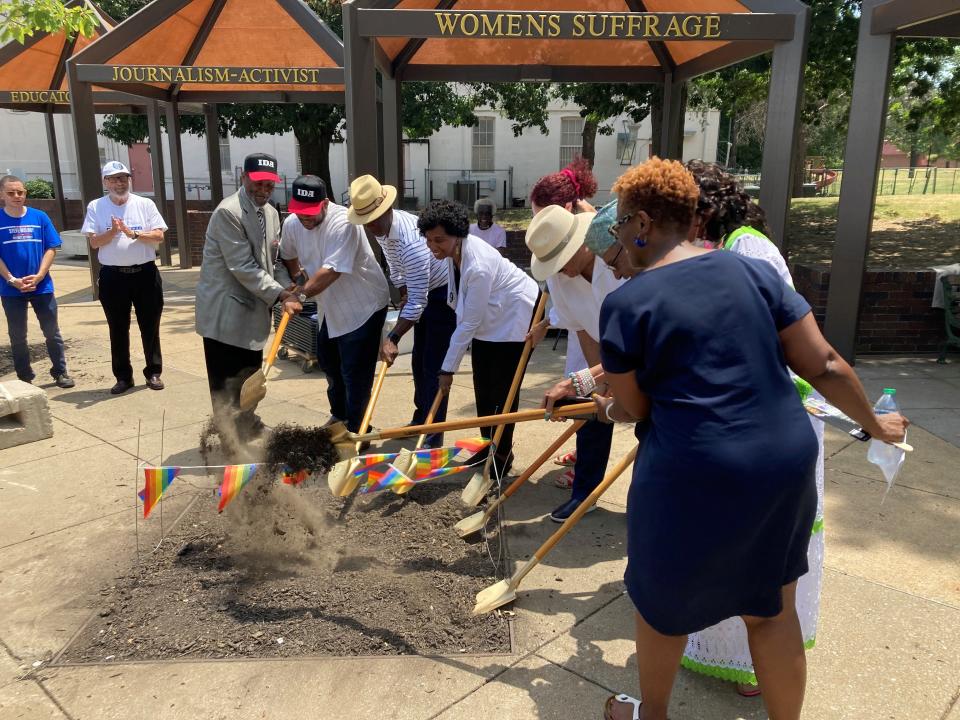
[(125, 230), (335, 264)]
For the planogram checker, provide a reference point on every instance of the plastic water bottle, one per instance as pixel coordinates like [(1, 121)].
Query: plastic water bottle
[(885, 456)]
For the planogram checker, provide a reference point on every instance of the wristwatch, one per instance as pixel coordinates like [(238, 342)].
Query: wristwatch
[(12, 280), (136, 234), (394, 338), (302, 297)]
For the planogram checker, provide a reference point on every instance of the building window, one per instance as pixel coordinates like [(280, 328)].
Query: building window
[(103, 156), (226, 165), (571, 139), (483, 144), (296, 155)]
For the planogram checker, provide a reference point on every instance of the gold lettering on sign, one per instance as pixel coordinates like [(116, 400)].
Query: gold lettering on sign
[(651, 26), (40, 96), (446, 23), (673, 28), (554, 22), (594, 30), (579, 25), (633, 25), (513, 25), (535, 25), (713, 26), (492, 28), (471, 20), (616, 25)]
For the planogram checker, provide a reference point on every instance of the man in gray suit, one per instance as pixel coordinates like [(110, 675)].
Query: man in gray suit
[(239, 284)]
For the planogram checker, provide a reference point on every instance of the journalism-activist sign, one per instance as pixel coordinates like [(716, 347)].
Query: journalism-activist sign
[(614, 26), (184, 74)]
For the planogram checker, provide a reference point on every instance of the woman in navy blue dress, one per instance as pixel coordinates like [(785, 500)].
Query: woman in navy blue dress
[(723, 494)]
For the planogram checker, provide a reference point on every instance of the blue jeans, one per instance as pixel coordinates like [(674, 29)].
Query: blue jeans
[(349, 362), (593, 450), (45, 307)]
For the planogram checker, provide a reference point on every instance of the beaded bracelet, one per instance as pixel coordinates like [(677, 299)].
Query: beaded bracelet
[(583, 382)]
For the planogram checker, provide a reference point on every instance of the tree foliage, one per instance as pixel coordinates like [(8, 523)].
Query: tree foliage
[(20, 19)]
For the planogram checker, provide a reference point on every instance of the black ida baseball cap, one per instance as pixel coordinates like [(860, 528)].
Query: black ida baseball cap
[(261, 166), (309, 195)]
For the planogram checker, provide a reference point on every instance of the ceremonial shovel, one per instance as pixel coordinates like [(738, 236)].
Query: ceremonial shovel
[(481, 483), (406, 461), (477, 521), (254, 388), (346, 441), (505, 591), (341, 479)]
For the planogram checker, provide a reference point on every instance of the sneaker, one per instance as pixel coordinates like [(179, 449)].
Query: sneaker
[(64, 381), (563, 512)]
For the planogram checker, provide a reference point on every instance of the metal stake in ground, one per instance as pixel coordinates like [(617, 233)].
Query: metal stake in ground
[(163, 422), (136, 495)]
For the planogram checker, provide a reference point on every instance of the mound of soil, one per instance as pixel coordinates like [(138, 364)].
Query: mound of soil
[(292, 571)]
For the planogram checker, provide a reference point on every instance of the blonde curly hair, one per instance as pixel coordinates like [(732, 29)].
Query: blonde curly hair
[(664, 189)]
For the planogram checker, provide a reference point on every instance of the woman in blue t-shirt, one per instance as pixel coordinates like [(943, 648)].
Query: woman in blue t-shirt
[(723, 494)]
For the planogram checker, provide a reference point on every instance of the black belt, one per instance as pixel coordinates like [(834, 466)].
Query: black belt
[(127, 268)]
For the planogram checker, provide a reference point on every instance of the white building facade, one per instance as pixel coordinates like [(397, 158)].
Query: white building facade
[(455, 163)]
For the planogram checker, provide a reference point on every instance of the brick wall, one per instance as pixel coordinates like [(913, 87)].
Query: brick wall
[(517, 249), (197, 224), (895, 312)]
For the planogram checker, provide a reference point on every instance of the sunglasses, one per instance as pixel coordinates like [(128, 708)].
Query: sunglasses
[(614, 229), (613, 263), (15, 193)]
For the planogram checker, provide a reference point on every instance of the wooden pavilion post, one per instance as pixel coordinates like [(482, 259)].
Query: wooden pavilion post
[(361, 97), (55, 167), (213, 153), (159, 176), (179, 184)]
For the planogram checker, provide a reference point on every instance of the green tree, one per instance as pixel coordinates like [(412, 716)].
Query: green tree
[(20, 19), (601, 104)]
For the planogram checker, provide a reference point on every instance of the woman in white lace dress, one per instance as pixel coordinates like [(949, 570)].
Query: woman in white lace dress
[(728, 218)]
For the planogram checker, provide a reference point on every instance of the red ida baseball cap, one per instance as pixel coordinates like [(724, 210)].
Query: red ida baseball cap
[(261, 166), (309, 195)]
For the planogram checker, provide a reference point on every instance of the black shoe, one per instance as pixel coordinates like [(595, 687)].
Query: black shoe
[(64, 381), (121, 387), (567, 509), (154, 382), (28, 381), (252, 430)]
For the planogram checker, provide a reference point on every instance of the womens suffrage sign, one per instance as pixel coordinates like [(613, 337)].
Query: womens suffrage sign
[(539, 25)]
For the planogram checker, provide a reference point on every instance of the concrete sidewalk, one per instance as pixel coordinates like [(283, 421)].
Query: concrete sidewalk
[(888, 644)]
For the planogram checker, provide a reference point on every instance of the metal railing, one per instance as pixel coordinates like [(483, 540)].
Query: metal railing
[(826, 182)]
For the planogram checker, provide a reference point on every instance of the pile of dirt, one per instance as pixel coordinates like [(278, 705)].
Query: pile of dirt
[(292, 571)]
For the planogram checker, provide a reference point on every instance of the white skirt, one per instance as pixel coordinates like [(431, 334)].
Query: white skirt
[(722, 651)]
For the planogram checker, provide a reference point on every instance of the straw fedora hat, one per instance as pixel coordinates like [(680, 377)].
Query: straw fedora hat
[(554, 236), (369, 199)]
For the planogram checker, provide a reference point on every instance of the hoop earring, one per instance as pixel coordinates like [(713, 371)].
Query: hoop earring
[(639, 242)]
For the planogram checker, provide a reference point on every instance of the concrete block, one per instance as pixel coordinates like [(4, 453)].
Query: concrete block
[(24, 414)]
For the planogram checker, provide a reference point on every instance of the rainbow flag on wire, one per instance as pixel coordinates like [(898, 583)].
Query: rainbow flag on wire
[(473, 445), (294, 477), (368, 461), (234, 478), (444, 471), (157, 479), (377, 481), (434, 458)]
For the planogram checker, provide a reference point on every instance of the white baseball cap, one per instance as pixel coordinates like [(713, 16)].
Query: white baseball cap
[(114, 168)]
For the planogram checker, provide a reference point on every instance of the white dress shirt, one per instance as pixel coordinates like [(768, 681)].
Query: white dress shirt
[(576, 302), (494, 301), (138, 213), (495, 236), (411, 263), (337, 245)]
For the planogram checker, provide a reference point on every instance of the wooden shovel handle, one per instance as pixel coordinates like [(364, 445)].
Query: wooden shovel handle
[(277, 337), (377, 386), (518, 373), (585, 408), (535, 465), (430, 415), (611, 476)]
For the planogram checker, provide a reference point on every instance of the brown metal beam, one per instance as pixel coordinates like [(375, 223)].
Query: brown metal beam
[(896, 16), (133, 28), (179, 185), (212, 127), (144, 91), (729, 54), (272, 96), (200, 39), (414, 44), (659, 48), (945, 27), (315, 28), (533, 73), (159, 177), (55, 168)]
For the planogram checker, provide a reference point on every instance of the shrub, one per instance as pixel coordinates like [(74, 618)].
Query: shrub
[(39, 189)]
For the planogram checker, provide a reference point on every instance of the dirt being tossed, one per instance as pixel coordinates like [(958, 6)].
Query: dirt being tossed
[(293, 571), (301, 448)]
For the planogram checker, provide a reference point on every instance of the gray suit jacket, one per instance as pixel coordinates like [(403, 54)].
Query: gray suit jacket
[(239, 282)]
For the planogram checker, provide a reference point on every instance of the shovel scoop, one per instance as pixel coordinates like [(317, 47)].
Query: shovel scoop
[(254, 388)]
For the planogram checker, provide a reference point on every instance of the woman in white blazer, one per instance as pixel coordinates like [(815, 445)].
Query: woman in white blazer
[(494, 302)]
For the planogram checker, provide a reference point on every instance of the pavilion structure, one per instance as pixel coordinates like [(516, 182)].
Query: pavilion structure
[(662, 42), (33, 78), (203, 51), (881, 23)]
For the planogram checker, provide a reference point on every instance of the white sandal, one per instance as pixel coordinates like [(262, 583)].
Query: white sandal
[(623, 699)]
